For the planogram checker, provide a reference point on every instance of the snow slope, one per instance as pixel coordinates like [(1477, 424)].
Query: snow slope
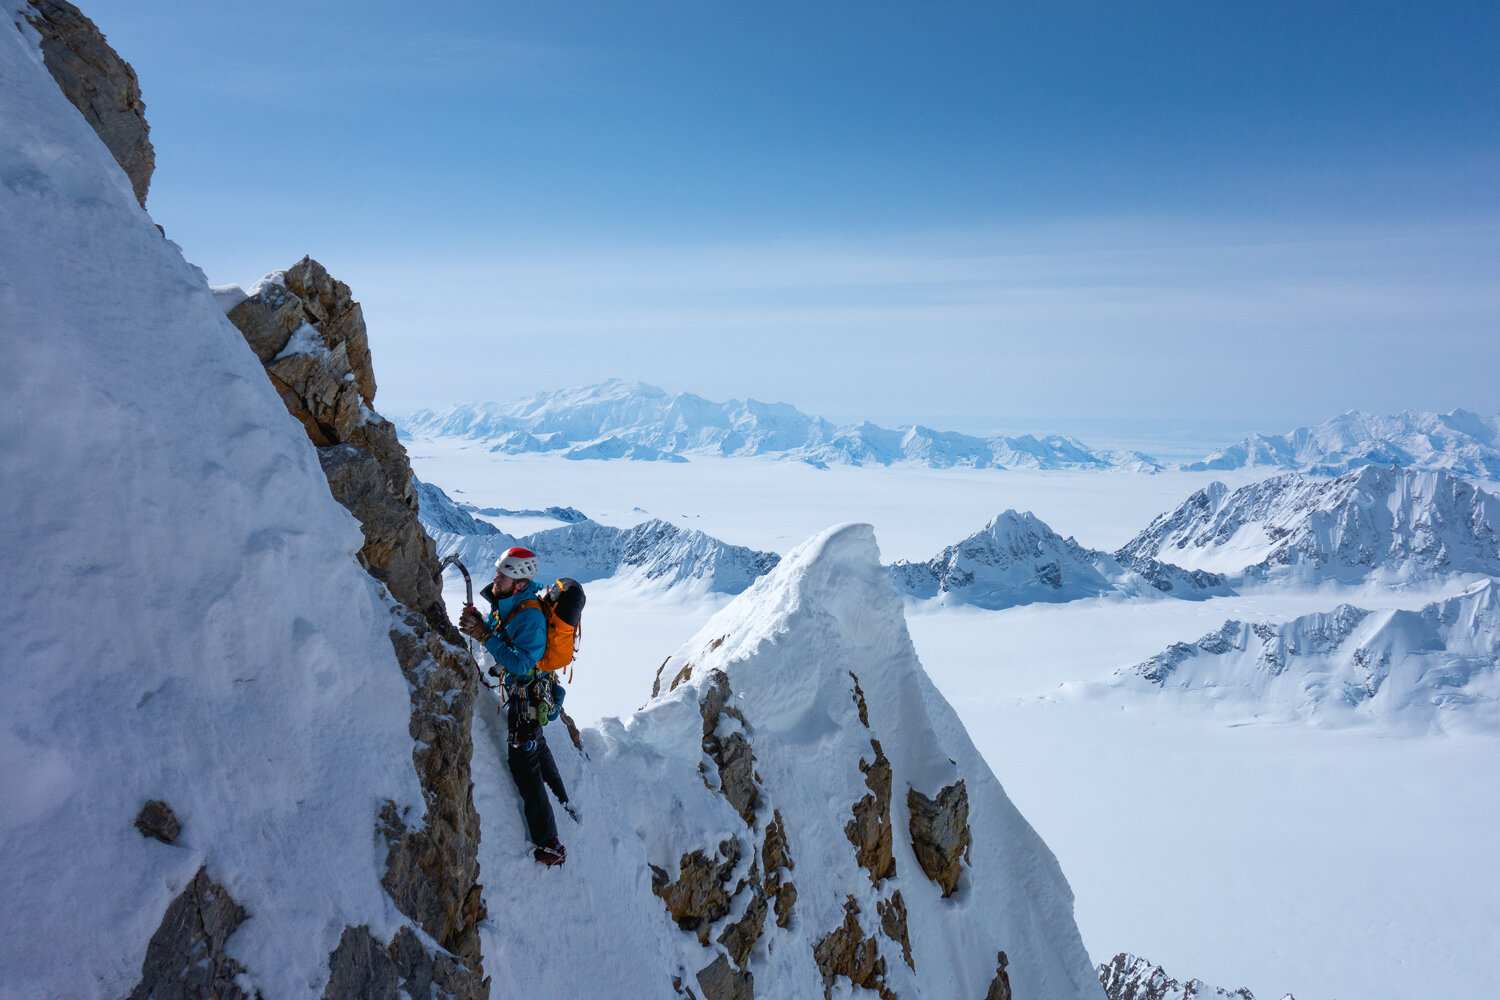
[(1460, 442), (181, 617), (1017, 559), (1434, 668), (619, 419), (1384, 525), (805, 652)]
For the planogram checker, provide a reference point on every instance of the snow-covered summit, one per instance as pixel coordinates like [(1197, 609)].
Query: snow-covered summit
[(796, 810), (1461, 442), (1381, 524), (1436, 666), (1017, 559), (620, 419)]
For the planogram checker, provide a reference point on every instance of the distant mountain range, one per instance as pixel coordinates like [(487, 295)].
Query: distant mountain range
[(586, 550), (1375, 524), (1350, 663), (632, 420), (616, 419), (1458, 441)]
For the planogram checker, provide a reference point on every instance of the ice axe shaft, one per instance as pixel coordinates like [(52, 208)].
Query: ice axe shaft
[(453, 560)]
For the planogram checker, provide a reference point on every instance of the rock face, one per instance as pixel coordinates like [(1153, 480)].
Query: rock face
[(847, 952), (360, 968), (940, 833), (870, 829), (100, 84), (725, 742), (309, 333), (186, 958), (699, 896)]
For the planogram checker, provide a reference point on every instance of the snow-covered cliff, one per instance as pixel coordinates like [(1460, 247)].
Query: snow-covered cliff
[(619, 419), (1018, 559), (1378, 524), (1437, 666)]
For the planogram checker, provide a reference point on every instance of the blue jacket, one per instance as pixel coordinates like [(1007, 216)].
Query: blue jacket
[(527, 632)]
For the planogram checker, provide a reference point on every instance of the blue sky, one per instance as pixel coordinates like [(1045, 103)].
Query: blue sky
[(977, 216)]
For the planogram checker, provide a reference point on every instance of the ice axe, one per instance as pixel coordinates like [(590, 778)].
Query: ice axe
[(453, 560)]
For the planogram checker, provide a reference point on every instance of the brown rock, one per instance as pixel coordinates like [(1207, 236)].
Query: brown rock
[(893, 924), (720, 982), (847, 952), (870, 829), (361, 968), (732, 753), (100, 84), (740, 937), (268, 319), (186, 959), (940, 833), (1000, 985), (156, 819), (337, 316), (699, 897), (859, 702), (777, 856)]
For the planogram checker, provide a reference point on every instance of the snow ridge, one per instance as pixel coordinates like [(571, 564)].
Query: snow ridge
[(1439, 665), (812, 676), (1458, 441), (585, 550), (620, 419), (1385, 525), (1017, 559)]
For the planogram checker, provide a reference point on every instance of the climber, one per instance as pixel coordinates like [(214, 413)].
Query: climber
[(517, 637)]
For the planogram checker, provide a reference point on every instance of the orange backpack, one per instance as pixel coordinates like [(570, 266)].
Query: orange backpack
[(562, 606)]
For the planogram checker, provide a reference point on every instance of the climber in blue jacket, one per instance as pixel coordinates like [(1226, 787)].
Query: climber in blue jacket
[(516, 637)]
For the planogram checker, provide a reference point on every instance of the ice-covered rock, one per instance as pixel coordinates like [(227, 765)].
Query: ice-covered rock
[(1017, 559), (1436, 666), (1381, 524), (1460, 442), (619, 419)]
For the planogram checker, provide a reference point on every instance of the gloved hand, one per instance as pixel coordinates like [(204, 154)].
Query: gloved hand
[(471, 623)]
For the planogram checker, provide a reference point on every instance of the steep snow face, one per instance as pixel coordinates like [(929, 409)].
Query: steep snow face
[(181, 617), (1439, 666), (660, 553), (1459, 441), (1017, 559), (1384, 525), (618, 419), (797, 747)]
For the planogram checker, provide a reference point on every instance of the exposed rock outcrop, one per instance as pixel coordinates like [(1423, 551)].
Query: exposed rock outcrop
[(777, 857), (725, 743), (1000, 985), (740, 937), (101, 85), (848, 952), (309, 333), (699, 896), (940, 833), (870, 829), (361, 968), (157, 820), (893, 924), (720, 982), (186, 958)]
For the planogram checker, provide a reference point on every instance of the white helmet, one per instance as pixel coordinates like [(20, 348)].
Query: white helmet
[(517, 563)]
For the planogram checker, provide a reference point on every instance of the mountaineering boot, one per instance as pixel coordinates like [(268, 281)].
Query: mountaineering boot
[(549, 854)]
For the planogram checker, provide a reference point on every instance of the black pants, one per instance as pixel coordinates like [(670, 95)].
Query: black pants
[(534, 771)]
